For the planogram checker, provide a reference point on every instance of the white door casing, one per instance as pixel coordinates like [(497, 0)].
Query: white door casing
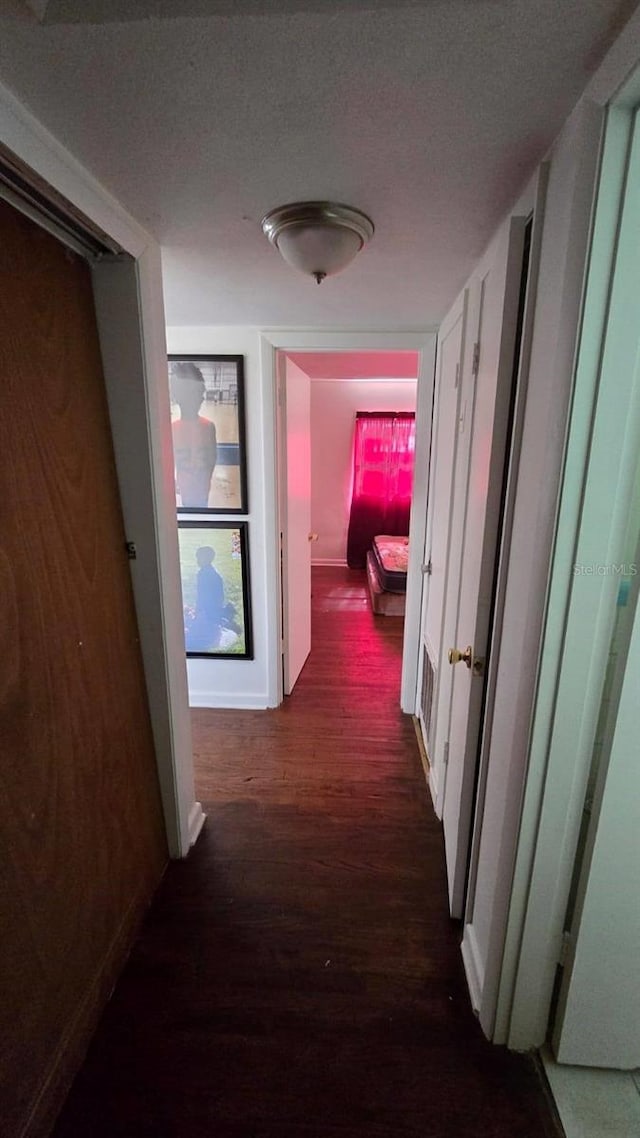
[(599, 1004), (295, 409), (295, 339), (590, 531), (597, 1021)]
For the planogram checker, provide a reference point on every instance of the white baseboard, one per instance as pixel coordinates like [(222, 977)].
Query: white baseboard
[(196, 822), (472, 966), (424, 758), (338, 562), (234, 700), (433, 787)]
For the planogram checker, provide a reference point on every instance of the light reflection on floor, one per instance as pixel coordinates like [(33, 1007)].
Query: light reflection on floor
[(344, 598)]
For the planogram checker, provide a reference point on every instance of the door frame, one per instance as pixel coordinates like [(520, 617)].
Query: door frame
[(282, 435), (130, 316), (272, 340), (558, 774)]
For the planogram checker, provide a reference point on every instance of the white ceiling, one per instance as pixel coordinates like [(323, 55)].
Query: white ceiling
[(428, 115)]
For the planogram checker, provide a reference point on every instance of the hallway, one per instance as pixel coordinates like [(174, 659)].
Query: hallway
[(298, 976)]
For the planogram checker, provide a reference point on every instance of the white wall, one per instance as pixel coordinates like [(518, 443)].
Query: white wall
[(334, 404), (239, 683)]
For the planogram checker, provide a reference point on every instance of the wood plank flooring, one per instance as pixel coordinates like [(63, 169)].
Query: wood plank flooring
[(298, 975)]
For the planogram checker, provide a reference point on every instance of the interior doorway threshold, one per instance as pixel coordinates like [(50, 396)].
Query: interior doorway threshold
[(594, 1103)]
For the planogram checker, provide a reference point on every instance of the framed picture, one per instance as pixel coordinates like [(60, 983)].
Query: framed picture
[(207, 423), (214, 566)]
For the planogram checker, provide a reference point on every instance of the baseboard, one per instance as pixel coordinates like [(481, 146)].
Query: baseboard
[(75, 1041), (233, 700), (196, 822), (473, 971), (424, 758), (433, 787), (337, 562)]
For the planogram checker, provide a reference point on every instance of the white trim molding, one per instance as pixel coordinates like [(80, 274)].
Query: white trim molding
[(197, 818), (599, 468), (325, 340), (472, 961), (241, 701)]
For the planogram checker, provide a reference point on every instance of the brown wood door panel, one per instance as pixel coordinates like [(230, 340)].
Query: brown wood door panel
[(81, 827)]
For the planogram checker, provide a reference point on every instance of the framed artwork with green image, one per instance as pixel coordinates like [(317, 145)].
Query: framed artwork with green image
[(214, 567)]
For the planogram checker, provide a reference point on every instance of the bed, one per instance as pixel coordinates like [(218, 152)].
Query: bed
[(387, 574)]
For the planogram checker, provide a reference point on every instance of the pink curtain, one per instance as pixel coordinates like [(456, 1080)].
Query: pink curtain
[(382, 479)]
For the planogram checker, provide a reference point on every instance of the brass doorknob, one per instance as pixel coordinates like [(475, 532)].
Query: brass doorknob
[(455, 656)]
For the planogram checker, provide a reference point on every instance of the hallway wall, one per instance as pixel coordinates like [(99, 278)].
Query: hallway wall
[(234, 682)]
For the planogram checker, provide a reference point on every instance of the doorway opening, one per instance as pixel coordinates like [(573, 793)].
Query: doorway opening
[(320, 396)]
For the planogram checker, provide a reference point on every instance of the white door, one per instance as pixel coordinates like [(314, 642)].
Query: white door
[(438, 533), (473, 523), (294, 396)]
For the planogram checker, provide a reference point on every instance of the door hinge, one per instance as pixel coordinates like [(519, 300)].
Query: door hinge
[(475, 364), (132, 552), (445, 754), (564, 948), (428, 568), (457, 375)]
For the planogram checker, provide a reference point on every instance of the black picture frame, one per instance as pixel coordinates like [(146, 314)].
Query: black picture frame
[(210, 457), (217, 616)]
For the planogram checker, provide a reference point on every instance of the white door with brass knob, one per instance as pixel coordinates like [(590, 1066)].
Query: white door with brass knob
[(464, 526)]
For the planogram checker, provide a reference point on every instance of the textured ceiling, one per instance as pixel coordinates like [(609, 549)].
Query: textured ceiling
[(428, 116)]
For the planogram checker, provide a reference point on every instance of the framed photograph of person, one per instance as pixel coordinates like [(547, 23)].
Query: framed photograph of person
[(207, 424), (216, 599)]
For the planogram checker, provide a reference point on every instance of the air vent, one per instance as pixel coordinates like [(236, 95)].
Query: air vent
[(426, 696)]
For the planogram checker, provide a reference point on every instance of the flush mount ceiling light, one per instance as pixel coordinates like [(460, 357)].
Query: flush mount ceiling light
[(318, 238)]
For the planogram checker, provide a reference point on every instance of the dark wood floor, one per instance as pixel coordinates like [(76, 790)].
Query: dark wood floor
[(298, 975)]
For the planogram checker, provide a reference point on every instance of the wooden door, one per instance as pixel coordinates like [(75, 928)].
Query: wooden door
[(82, 838), (296, 407)]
